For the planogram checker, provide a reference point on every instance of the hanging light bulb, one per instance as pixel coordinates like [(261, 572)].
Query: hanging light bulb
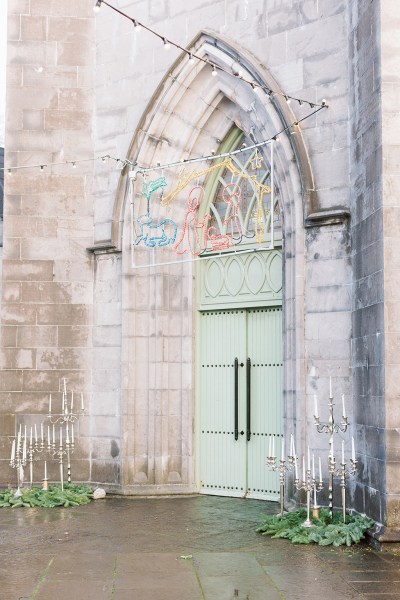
[(136, 25), (287, 99), (41, 168), (214, 71), (191, 59), (73, 165), (97, 6), (9, 172), (167, 45)]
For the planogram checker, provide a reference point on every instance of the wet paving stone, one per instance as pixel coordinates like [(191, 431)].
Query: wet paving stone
[(132, 548)]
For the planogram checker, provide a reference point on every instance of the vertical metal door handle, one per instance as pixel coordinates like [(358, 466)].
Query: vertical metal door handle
[(236, 399), (248, 397)]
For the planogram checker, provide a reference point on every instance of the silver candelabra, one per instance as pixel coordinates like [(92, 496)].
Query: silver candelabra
[(343, 472), (282, 466), (60, 450), (67, 416), (18, 459), (309, 484), (331, 428)]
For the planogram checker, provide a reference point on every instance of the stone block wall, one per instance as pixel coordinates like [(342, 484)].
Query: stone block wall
[(367, 256), (390, 160), (47, 300)]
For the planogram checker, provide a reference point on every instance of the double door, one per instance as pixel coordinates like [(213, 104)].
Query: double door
[(240, 403)]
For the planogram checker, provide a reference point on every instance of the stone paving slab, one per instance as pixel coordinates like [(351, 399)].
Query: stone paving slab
[(131, 549)]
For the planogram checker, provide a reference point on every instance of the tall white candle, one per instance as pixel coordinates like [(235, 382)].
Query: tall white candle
[(304, 468), (308, 458), (330, 387), (353, 450), (342, 452), (13, 450), (269, 446), (295, 467), (291, 445), (294, 449), (315, 406), (30, 438), (65, 386), (48, 436), (283, 449), (273, 445), (19, 441), (35, 433), (72, 400), (67, 434), (320, 470), (45, 470), (24, 450), (313, 466), (344, 408), (315, 496), (50, 404), (25, 432), (41, 432), (54, 435), (82, 401)]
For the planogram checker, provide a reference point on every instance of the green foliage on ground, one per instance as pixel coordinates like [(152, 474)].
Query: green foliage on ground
[(72, 495), (325, 531)]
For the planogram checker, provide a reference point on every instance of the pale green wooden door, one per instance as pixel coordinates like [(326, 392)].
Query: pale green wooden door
[(240, 403)]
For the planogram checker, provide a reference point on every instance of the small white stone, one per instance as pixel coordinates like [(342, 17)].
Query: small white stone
[(99, 493)]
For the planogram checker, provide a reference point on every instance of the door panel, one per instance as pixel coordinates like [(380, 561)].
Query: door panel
[(264, 347), (223, 459)]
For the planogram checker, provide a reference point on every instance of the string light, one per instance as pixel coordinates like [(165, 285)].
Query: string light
[(214, 71), (191, 55), (136, 25), (184, 161), (97, 6)]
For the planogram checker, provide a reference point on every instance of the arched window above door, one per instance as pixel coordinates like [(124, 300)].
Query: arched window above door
[(239, 193)]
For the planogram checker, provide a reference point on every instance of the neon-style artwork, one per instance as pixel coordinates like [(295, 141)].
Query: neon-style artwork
[(186, 178), (155, 234), (152, 186), (233, 197), (193, 232), (196, 236), (256, 161)]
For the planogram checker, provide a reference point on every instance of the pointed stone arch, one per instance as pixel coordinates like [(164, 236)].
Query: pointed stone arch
[(188, 115), (187, 85)]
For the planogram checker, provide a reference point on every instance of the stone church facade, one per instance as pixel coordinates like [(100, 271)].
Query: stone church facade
[(83, 85)]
